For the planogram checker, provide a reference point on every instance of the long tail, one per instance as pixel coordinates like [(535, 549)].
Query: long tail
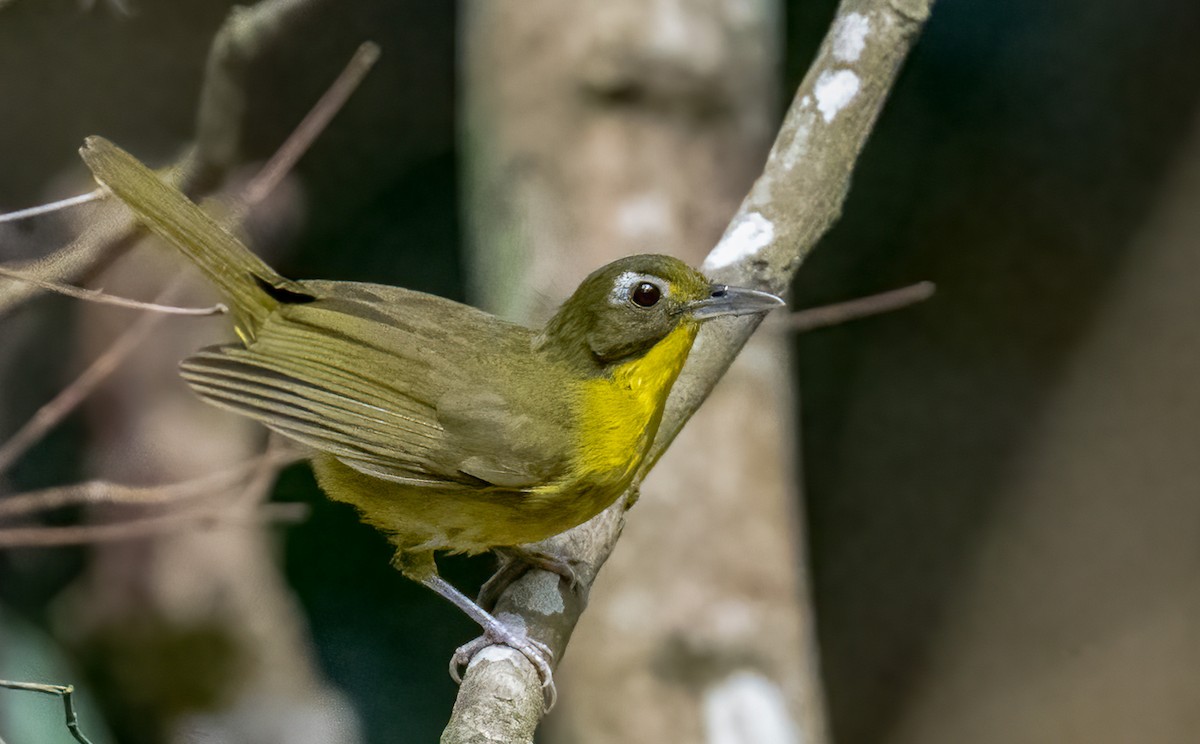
[(251, 286)]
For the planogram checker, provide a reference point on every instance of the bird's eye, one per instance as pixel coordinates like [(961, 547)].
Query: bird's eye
[(646, 295)]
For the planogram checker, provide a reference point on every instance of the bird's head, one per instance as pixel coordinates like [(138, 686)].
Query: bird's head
[(623, 309)]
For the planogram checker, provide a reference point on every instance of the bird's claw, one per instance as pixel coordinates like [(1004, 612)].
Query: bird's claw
[(515, 561), (538, 653)]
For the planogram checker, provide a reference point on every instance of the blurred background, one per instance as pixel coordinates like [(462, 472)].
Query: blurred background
[(985, 523)]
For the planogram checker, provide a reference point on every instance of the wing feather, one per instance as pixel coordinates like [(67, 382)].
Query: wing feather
[(398, 385)]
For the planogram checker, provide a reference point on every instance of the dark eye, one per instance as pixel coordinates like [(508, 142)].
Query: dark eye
[(646, 295)]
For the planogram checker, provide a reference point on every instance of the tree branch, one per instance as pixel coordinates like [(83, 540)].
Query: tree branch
[(813, 318), (245, 36), (198, 519), (794, 202), (99, 296), (105, 492)]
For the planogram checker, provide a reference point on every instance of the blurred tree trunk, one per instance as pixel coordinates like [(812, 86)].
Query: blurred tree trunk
[(637, 126)]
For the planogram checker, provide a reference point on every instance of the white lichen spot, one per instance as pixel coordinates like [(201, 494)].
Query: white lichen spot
[(495, 653), (505, 686), (540, 593), (834, 90), (797, 148), (644, 217), (850, 37), (806, 101), (745, 237), (747, 708)]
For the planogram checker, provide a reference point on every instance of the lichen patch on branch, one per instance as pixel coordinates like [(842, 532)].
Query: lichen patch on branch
[(744, 238), (496, 653), (834, 90), (540, 594), (850, 37)]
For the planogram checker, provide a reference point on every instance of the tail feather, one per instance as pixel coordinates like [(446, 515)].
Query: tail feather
[(242, 276)]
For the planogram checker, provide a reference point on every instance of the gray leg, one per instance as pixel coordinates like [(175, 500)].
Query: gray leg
[(495, 632)]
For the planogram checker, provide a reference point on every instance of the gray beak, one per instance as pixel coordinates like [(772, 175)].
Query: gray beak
[(726, 300)]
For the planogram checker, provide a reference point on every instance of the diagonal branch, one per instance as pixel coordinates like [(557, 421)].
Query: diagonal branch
[(247, 34), (794, 202)]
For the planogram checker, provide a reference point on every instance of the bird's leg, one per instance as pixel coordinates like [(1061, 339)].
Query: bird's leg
[(420, 567), (514, 562), (495, 632)]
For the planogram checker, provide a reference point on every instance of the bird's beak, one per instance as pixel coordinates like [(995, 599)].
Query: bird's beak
[(726, 300)]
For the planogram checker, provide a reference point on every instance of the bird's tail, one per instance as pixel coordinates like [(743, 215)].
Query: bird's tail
[(251, 286)]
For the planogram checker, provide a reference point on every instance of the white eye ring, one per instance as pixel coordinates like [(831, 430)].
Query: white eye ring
[(628, 282)]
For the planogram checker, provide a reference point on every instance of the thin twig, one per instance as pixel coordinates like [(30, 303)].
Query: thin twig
[(803, 321), (263, 469), (49, 537), (105, 238), (106, 492), (54, 206), (267, 179), (69, 398), (96, 295), (63, 691), (311, 126)]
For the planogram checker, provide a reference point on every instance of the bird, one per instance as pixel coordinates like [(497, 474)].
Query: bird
[(447, 428)]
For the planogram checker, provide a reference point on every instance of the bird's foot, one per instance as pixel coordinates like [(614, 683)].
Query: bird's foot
[(564, 567), (515, 562), (538, 653)]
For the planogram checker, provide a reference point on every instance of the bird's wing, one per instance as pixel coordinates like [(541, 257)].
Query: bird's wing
[(399, 385)]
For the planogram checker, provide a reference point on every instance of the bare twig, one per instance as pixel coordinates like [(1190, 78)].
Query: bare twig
[(48, 537), (264, 469), (311, 126), (105, 492), (246, 34), (107, 235), (54, 206), (793, 203), (811, 319), (267, 179), (98, 296), (63, 691), (69, 398)]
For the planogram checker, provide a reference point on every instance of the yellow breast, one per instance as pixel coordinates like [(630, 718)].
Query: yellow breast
[(621, 412)]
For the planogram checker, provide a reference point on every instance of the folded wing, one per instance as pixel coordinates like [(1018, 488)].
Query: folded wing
[(399, 385)]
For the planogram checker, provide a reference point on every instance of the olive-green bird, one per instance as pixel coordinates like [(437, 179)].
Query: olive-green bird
[(447, 428)]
